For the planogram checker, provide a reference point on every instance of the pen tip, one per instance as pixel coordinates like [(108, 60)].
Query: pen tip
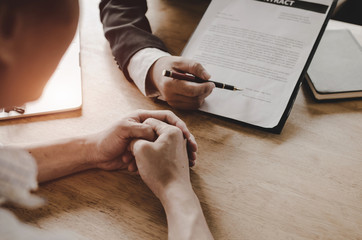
[(237, 89), (166, 73)]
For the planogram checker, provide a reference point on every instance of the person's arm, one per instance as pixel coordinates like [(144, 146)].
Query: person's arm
[(184, 214), (142, 56), (127, 29), (60, 158), (106, 150), (163, 166)]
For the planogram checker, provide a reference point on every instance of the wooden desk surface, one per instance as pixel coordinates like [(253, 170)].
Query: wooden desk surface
[(303, 184)]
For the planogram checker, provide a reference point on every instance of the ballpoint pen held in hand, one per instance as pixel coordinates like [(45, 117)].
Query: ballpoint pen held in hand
[(192, 78)]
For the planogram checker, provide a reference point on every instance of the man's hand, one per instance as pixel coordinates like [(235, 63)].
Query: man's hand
[(109, 148), (163, 166), (162, 162), (178, 93)]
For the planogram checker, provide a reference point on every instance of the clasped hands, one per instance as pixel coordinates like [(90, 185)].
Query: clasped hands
[(156, 143)]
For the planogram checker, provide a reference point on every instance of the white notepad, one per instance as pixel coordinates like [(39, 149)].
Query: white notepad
[(63, 91), (336, 69)]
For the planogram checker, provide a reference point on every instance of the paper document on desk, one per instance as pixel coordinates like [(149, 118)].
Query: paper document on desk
[(261, 46)]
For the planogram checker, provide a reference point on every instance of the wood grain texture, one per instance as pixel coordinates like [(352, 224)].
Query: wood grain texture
[(303, 184)]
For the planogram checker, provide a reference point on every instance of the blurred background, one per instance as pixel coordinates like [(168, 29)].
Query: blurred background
[(349, 11)]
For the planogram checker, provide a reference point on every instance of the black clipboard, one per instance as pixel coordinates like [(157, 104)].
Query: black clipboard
[(277, 129)]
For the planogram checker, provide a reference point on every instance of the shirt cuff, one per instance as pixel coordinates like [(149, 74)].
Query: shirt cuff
[(140, 64)]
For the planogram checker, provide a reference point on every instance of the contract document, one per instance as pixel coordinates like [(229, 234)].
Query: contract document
[(261, 46)]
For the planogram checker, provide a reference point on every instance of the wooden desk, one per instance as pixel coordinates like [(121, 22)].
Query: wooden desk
[(303, 184)]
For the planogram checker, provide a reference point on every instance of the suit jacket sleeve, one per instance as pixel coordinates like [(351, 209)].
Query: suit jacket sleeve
[(127, 29)]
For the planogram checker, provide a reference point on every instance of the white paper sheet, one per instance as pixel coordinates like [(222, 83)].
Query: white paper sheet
[(259, 46)]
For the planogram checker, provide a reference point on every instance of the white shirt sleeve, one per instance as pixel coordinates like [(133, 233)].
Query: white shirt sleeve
[(140, 64), (18, 173)]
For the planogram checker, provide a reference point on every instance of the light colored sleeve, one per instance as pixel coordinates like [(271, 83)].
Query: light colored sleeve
[(18, 176), (139, 66), (12, 229)]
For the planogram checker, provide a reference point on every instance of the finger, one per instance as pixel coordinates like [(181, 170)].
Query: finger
[(136, 145), (161, 128), (191, 163), (191, 143), (192, 155), (127, 157), (165, 116), (192, 67), (168, 117), (137, 130), (132, 167), (188, 89)]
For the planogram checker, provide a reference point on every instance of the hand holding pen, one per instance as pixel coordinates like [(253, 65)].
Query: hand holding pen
[(192, 78), (178, 94)]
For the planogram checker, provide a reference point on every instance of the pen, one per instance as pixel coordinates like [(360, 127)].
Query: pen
[(192, 78)]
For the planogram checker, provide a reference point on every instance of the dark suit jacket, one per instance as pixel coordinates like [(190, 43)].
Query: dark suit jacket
[(127, 29)]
